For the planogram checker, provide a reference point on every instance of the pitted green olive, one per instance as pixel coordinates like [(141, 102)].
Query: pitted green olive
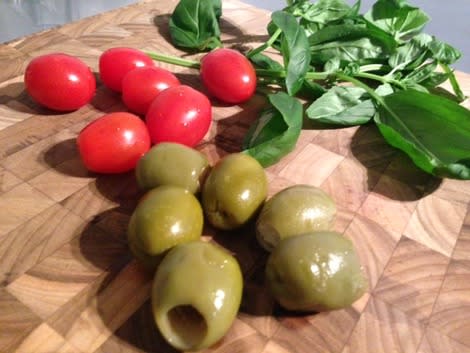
[(292, 211), (196, 294), (166, 216), (234, 191), (169, 163), (315, 272)]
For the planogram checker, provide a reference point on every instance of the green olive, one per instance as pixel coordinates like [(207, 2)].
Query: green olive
[(292, 211), (196, 294), (234, 191), (169, 163), (315, 272), (137, 249), (164, 217)]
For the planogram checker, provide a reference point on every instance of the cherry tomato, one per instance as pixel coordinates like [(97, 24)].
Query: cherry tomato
[(115, 63), (141, 85), (228, 75), (113, 143), (59, 81), (179, 114)]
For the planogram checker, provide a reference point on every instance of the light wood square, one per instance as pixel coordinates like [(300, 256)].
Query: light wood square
[(391, 204), (436, 224), (40, 156), (8, 180), (336, 140), (406, 283), (451, 314), (93, 326), (374, 246), (462, 247), (44, 339), (16, 321), (435, 342), (312, 165), (52, 181), (19, 205), (35, 240), (350, 184), (384, 329)]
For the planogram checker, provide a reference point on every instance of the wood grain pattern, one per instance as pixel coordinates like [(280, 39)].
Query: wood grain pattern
[(68, 282)]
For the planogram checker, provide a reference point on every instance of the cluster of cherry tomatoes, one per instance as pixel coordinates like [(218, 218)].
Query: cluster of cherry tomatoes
[(160, 108)]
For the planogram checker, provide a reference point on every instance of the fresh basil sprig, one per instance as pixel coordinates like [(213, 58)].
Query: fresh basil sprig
[(294, 49), (352, 68), (432, 130), (343, 106), (276, 131), (397, 18), (194, 24)]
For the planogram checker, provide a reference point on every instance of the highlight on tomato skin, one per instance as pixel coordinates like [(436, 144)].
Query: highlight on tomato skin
[(113, 143), (116, 62), (228, 75), (179, 114), (59, 81)]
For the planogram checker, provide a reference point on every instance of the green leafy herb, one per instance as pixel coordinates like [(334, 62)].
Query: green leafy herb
[(265, 62), (322, 12), (276, 131), (351, 68), (194, 24), (295, 50), (347, 32), (432, 130), (397, 18), (412, 53), (350, 42), (343, 106), (443, 52)]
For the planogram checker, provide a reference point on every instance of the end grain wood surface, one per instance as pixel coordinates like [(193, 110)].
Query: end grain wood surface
[(68, 282)]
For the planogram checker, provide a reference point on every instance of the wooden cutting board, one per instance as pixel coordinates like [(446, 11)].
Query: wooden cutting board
[(69, 284)]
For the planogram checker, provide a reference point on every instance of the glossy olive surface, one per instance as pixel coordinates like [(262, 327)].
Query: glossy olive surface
[(164, 217), (234, 191), (315, 272), (295, 210), (196, 294), (171, 163)]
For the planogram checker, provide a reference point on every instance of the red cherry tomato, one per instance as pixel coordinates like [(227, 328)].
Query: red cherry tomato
[(115, 63), (228, 75), (179, 114), (141, 85), (113, 143), (59, 81)]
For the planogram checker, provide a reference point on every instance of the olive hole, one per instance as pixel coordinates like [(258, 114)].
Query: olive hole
[(188, 325)]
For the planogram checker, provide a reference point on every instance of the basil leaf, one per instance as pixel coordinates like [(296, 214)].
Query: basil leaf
[(361, 49), (415, 86), (322, 11), (397, 18), (344, 32), (342, 105), (435, 79), (295, 50), (311, 90), (276, 131), (195, 25), (333, 65), (263, 61), (217, 6), (444, 52), (434, 131), (421, 74), (411, 54), (384, 89)]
